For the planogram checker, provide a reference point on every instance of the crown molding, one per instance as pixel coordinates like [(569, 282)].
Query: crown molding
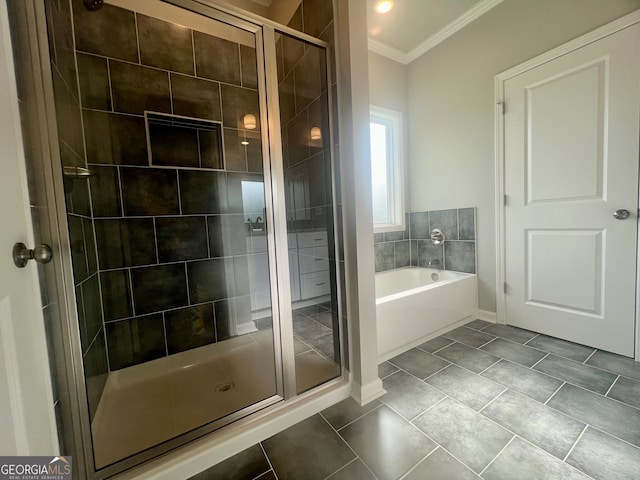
[(459, 23), (388, 51)]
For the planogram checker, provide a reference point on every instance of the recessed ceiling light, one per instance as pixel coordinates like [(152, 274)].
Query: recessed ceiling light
[(383, 6)]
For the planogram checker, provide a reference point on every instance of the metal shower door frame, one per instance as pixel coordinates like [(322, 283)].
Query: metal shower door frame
[(69, 365)]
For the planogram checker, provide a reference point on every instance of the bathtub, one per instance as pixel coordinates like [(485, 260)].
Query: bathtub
[(414, 305)]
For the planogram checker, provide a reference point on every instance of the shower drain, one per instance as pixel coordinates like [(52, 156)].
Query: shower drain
[(224, 387)]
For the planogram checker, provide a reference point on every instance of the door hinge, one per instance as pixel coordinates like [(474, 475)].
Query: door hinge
[(504, 200), (502, 107), (504, 287)]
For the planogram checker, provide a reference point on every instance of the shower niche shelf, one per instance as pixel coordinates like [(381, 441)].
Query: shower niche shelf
[(183, 142)]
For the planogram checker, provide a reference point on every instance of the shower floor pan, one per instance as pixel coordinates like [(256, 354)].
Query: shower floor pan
[(147, 404)]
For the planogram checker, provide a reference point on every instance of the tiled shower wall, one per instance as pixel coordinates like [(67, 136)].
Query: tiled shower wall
[(79, 212), (413, 247), (171, 239), (170, 279)]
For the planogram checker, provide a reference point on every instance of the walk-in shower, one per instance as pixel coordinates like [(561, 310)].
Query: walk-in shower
[(197, 182)]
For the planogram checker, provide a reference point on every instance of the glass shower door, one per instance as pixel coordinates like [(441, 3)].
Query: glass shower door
[(173, 257), (304, 97)]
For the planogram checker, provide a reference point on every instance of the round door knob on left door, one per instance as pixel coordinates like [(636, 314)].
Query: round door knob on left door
[(21, 254)]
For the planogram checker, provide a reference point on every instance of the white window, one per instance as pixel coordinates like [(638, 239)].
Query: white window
[(387, 167)]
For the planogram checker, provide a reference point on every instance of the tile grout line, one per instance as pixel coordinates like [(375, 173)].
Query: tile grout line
[(556, 376), (592, 354), (407, 372), (388, 375), (602, 430), (131, 295), (433, 353), (112, 109), (343, 467), (193, 53), (429, 408), (164, 331), (611, 387), (449, 453), (264, 452), (531, 339), (575, 443), (607, 398), (532, 366), (413, 426), (494, 458), (170, 91), (494, 399), (435, 373), (554, 393), (206, 79), (485, 344), (492, 365), (568, 465), (348, 446), (405, 474), (135, 20)]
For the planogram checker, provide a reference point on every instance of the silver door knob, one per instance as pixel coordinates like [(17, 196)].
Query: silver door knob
[(621, 214), (21, 254)]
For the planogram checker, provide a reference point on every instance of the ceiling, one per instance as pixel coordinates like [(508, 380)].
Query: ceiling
[(414, 26)]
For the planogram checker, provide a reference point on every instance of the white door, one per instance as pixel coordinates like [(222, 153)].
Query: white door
[(571, 160), (27, 421)]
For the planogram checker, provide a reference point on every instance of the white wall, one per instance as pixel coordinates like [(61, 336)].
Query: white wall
[(451, 107), (387, 83)]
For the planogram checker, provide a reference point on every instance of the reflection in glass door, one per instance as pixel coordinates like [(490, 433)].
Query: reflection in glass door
[(169, 234), (308, 173)]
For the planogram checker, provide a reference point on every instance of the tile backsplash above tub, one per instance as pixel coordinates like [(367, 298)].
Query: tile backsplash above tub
[(413, 247)]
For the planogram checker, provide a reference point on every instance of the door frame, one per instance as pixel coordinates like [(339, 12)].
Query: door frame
[(500, 199)]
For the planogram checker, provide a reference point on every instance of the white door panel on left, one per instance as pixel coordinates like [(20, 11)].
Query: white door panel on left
[(26, 406)]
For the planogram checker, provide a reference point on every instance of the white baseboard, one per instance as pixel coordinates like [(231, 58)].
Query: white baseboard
[(367, 393), (487, 316), (248, 327)]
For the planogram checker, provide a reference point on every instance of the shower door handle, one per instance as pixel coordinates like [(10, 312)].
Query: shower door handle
[(21, 254)]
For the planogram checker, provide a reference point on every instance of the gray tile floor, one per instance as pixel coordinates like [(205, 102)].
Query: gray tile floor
[(482, 401)]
